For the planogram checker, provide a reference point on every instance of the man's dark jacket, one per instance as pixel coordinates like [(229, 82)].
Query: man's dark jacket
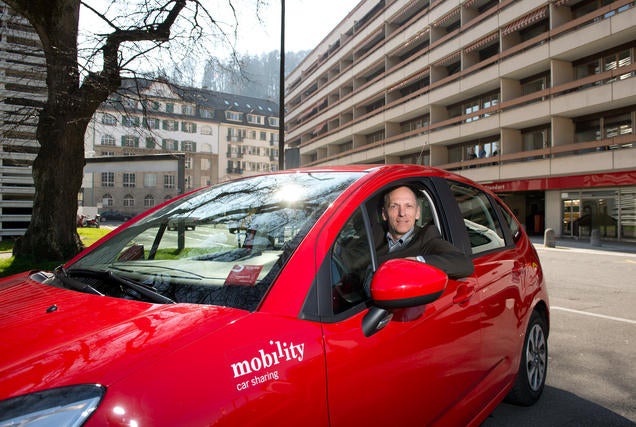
[(428, 243)]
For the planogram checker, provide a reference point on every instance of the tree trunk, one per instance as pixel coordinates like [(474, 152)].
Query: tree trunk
[(57, 174)]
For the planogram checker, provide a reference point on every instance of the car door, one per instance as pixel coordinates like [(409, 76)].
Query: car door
[(500, 270), (418, 368)]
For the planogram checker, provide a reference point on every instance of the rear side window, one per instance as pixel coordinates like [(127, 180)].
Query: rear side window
[(512, 223), (482, 225)]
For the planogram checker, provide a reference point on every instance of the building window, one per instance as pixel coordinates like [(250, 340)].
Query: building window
[(108, 179), (188, 127), (129, 201), (187, 109), (129, 141), (606, 61), (129, 179), (375, 136), (170, 144), (171, 125), (151, 143), (587, 130), (188, 162), (206, 113), (235, 135), (479, 149), (263, 136), (273, 121), (152, 123), (416, 123), (234, 116), (128, 121), (108, 140), (255, 119), (149, 201), (189, 146), (535, 84), (168, 181), (423, 158), (169, 107), (536, 139), (617, 125), (107, 200), (109, 119), (618, 60), (472, 106)]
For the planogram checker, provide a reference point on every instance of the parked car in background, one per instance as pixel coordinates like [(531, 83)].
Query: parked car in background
[(115, 216), (263, 315)]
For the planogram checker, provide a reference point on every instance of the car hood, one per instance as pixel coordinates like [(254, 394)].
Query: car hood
[(53, 337)]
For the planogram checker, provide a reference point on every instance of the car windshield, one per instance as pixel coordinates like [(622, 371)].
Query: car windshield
[(222, 246)]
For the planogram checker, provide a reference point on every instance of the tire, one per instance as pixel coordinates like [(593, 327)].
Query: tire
[(533, 367)]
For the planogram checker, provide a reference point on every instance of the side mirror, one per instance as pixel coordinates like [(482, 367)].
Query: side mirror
[(402, 283)]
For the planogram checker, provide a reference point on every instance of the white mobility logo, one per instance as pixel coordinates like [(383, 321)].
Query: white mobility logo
[(266, 358)]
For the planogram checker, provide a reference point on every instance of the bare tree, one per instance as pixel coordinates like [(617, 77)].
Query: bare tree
[(75, 92)]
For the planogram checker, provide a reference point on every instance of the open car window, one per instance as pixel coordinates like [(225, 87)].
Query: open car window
[(221, 246)]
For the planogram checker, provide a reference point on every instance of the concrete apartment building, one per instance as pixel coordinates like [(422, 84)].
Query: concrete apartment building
[(22, 87), (535, 99), (221, 136)]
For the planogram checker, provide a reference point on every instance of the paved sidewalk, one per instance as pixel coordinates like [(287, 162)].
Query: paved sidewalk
[(608, 246)]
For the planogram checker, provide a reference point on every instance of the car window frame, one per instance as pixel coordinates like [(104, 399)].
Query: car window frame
[(496, 205), (318, 305)]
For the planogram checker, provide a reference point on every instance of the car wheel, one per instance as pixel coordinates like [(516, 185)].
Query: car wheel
[(534, 364)]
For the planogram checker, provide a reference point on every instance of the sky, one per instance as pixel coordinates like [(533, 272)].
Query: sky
[(307, 22)]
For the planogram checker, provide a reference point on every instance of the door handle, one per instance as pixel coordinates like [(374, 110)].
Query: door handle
[(464, 293)]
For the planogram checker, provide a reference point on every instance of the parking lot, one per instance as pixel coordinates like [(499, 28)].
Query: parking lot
[(592, 346)]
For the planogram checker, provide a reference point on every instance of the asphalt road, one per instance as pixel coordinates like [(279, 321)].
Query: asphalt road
[(592, 345)]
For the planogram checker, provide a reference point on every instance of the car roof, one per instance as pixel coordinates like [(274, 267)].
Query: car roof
[(406, 169)]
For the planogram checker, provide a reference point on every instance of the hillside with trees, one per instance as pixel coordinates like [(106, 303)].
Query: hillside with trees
[(251, 75)]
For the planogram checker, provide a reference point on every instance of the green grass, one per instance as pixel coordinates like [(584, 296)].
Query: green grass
[(9, 265)]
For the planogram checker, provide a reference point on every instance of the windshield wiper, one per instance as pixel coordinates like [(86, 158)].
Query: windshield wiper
[(77, 285), (147, 292)]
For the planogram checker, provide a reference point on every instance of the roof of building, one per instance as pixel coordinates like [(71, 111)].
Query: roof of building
[(206, 98)]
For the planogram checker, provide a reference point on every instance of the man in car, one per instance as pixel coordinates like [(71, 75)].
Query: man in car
[(405, 239)]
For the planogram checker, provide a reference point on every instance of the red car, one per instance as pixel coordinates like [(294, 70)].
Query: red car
[(263, 315)]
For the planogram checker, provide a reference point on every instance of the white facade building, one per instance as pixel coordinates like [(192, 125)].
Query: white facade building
[(222, 136)]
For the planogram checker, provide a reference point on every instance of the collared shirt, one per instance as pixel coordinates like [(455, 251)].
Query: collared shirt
[(401, 242)]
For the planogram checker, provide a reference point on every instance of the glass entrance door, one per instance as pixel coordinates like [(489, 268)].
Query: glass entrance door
[(571, 210)]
